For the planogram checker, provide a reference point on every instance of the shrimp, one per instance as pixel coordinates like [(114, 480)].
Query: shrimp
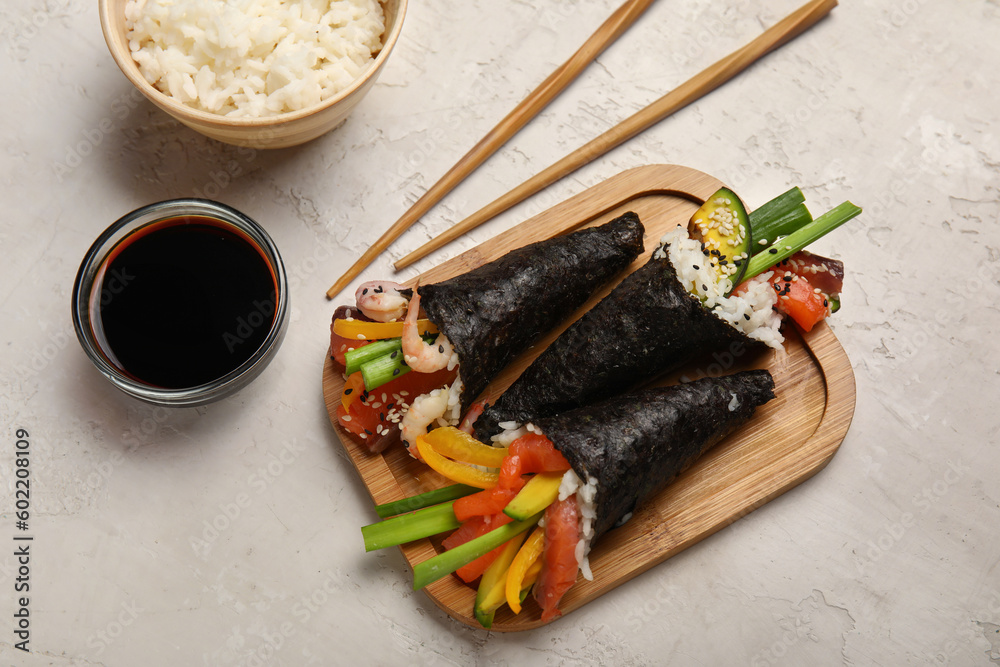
[(418, 355), (471, 416), (381, 300), (424, 411)]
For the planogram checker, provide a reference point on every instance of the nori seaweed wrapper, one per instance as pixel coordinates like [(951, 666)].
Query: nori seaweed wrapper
[(647, 326), (494, 312), (637, 443)]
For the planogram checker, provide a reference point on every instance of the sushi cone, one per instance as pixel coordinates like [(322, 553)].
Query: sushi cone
[(586, 470), (635, 444), (647, 326), (495, 312)]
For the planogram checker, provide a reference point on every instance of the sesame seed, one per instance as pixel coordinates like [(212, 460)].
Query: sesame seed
[(395, 372), (773, 251), (361, 336), (348, 391), (346, 418)]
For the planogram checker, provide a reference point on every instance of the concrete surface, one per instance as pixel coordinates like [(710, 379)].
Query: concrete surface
[(228, 535)]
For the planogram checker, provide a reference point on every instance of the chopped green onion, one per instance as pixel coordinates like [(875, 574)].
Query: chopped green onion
[(408, 527), (423, 500), (389, 366), (776, 208), (445, 563), (770, 229), (355, 358), (382, 369), (799, 239)]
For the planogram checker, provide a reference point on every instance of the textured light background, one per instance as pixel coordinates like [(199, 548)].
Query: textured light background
[(890, 556)]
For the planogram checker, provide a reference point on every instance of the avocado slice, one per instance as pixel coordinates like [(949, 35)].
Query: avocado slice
[(540, 492), (723, 227)]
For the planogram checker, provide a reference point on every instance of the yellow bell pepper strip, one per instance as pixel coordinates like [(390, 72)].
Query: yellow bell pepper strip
[(540, 491), (353, 387), (530, 577), (490, 595), (523, 562), (453, 470), (360, 330), (459, 445)]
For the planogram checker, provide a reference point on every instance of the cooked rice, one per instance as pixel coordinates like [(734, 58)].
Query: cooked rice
[(751, 312), (585, 495), (253, 58)]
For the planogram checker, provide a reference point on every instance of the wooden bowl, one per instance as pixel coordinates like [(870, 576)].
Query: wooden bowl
[(280, 131)]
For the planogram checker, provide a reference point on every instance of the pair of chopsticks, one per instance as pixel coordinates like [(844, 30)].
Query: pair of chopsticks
[(701, 84)]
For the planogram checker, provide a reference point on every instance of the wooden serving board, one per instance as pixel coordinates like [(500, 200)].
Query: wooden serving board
[(789, 439)]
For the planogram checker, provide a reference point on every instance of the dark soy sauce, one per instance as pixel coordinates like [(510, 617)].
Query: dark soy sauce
[(185, 301)]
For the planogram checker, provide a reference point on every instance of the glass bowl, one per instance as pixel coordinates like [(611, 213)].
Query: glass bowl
[(98, 283)]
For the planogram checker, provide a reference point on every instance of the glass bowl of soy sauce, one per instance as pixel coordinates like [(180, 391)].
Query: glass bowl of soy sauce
[(182, 302)]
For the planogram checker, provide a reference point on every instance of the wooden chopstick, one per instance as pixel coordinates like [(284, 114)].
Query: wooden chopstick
[(537, 100), (701, 84)]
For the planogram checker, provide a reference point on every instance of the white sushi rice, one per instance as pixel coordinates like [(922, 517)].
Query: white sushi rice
[(585, 495), (751, 312), (453, 414), (511, 432), (253, 58)]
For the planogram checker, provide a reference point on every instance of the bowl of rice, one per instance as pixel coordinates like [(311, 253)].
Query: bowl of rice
[(258, 73)]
